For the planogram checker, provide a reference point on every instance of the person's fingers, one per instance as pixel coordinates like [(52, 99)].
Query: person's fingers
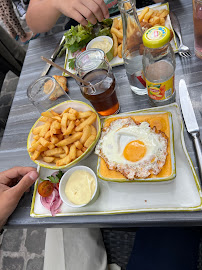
[(93, 10), (103, 7), (88, 14), (7, 177), (25, 183), (77, 16)]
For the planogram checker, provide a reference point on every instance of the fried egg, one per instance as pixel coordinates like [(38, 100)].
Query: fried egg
[(134, 149)]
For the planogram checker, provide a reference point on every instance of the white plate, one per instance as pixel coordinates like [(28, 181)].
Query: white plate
[(116, 61), (182, 194)]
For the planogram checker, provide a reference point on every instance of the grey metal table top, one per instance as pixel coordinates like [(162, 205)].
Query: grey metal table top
[(23, 114)]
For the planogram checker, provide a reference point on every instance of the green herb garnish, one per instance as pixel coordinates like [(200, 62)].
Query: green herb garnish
[(54, 179)]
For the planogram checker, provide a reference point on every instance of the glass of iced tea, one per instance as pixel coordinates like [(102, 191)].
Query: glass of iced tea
[(197, 17), (93, 67)]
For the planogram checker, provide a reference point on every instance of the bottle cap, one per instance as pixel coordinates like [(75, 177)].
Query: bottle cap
[(156, 37)]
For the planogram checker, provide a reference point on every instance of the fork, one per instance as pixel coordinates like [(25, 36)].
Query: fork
[(183, 50)]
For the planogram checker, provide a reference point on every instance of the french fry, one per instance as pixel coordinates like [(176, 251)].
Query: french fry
[(47, 135), (41, 148), (88, 121), (70, 128), (120, 51), (63, 161), (33, 142), (71, 116), (127, 6), (54, 151), (37, 130), (71, 139), (66, 149), (155, 21), (72, 152), (120, 24), (89, 141), (55, 125), (36, 138), (78, 145), (164, 13), (148, 15), (51, 146), (162, 21), (86, 134), (78, 153), (58, 118), (43, 119), (115, 42), (35, 155), (64, 123), (73, 111), (47, 114), (34, 146), (93, 130), (84, 114), (120, 40), (117, 32), (63, 155), (141, 16), (44, 142), (115, 23), (54, 113), (77, 122), (54, 139), (44, 129), (48, 159)]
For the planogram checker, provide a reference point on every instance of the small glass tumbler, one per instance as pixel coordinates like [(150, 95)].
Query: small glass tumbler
[(197, 17), (93, 67), (45, 93)]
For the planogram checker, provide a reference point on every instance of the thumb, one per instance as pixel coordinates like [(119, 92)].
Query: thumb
[(26, 182)]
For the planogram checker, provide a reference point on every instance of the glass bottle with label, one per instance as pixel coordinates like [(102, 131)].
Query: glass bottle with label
[(159, 65), (132, 46)]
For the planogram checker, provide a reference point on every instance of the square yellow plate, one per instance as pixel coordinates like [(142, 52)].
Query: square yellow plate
[(165, 175)]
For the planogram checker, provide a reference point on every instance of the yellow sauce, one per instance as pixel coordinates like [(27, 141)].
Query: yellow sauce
[(104, 45), (161, 121), (80, 187)]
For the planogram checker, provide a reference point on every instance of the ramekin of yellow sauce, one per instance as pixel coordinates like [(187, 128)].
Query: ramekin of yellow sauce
[(78, 186)]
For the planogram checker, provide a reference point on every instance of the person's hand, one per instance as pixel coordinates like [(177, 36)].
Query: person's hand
[(83, 10), (13, 184)]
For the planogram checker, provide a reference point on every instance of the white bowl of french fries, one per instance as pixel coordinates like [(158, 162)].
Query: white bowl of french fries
[(64, 135)]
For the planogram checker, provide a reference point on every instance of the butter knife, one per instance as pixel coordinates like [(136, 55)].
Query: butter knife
[(53, 56), (190, 121)]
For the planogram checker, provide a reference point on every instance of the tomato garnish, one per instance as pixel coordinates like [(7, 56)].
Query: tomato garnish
[(45, 188)]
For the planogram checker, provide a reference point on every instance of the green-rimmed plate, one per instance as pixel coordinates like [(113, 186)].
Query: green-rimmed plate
[(182, 194), (79, 106), (170, 145)]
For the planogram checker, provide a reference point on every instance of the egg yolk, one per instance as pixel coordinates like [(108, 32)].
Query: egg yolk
[(134, 151)]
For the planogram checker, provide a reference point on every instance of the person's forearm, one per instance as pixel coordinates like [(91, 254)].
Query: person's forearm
[(42, 15)]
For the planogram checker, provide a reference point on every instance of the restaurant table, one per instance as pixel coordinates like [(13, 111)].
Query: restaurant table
[(23, 114)]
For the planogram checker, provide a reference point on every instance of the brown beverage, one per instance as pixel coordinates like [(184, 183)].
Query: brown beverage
[(197, 16), (103, 96)]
